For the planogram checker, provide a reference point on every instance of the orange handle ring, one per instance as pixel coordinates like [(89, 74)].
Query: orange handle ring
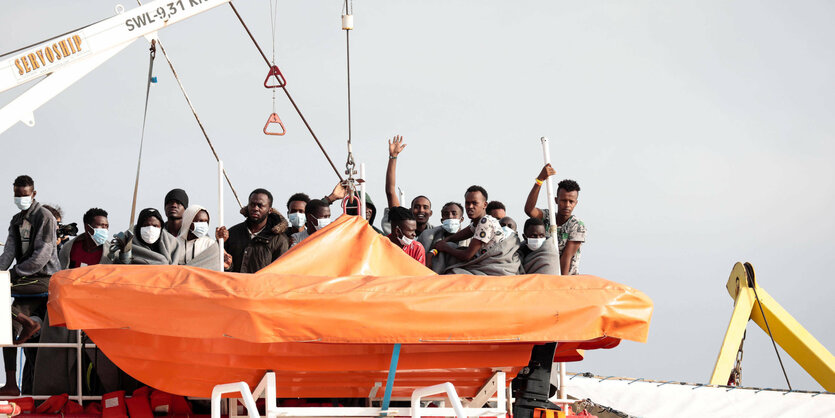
[(347, 200), (274, 119)]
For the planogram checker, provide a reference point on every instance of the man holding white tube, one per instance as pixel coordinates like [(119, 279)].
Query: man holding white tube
[(571, 231)]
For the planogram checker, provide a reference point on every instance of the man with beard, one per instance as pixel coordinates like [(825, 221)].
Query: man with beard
[(259, 240), (571, 232), (421, 206), (176, 202)]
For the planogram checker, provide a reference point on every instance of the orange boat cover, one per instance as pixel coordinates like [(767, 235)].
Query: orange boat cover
[(325, 315)]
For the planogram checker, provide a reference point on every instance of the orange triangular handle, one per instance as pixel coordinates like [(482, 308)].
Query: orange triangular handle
[(274, 119)]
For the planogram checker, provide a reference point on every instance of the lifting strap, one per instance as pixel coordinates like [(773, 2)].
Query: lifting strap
[(395, 358), (128, 245)]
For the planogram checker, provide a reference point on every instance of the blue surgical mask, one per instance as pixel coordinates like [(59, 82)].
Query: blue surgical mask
[(23, 202), (508, 231), (322, 222), (99, 235), (451, 225), (200, 229), (297, 219)]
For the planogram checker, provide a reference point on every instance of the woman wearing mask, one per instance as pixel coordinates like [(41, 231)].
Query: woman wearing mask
[(199, 250), (150, 243)]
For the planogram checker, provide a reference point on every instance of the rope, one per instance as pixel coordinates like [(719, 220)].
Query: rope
[(197, 118), (349, 163), (749, 269), (274, 14), (193, 112), (128, 245), (287, 93)]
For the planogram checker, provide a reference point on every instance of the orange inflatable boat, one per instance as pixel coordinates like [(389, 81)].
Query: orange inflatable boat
[(326, 315)]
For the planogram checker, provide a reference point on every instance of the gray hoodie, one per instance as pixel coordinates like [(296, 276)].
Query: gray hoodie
[(41, 255)]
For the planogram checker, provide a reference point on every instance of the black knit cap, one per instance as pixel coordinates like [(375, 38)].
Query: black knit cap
[(179, 195)]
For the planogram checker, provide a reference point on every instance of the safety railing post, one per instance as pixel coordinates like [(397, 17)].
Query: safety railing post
[(362, 191), (220, 210), (78, 368)]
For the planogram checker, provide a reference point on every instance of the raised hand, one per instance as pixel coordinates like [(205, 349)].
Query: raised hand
[(396, 146), (546, 172)]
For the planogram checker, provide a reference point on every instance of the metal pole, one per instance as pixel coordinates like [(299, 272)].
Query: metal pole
[(552, 218), (78, 367), (362, 191), (219, 210)]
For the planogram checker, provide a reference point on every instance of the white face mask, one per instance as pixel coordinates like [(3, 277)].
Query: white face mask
[(535, 243), (405, 241), (149, 234), (23, 202), (200, 229), (451, 225), (322, 222), (297, 219)]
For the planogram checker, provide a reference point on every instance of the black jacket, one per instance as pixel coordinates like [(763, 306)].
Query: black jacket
[(252, 254)]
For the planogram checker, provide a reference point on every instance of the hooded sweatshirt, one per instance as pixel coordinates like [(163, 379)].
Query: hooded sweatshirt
[(201, 252), (36, 253)]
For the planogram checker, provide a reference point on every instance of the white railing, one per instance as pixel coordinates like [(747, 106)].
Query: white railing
[(6, 341), (496, 385)]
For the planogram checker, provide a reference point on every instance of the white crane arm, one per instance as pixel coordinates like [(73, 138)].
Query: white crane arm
[(66, 58)]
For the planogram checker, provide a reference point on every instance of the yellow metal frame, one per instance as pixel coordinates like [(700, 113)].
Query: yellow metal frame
[(786, 331)]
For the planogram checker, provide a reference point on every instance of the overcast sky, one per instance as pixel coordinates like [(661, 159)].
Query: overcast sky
[(699, 131)]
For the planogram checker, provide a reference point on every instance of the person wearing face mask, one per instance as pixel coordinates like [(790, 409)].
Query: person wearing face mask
[(151, 244), (317, 216), (199, 249), (452, 217), (488, 254), (403, 234), (539, 254), (295, 213), (259, 240), (88, 249), (508, 227), (571, 231), (31, 245)]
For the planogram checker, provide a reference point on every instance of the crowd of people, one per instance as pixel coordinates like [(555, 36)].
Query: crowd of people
[(38, 245)]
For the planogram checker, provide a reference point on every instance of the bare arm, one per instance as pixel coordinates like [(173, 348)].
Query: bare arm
[(461, 235), (530, 205), (396, 145), (460, 253), (571, 248)]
